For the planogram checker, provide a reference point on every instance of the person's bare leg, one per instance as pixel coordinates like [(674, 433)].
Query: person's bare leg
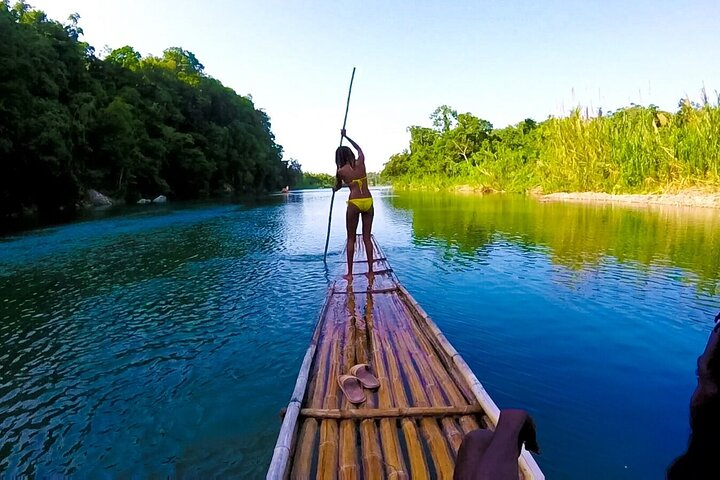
[(352, 217), (367, 220)]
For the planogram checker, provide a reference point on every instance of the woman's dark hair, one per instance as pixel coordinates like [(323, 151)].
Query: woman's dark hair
[(344, 155)]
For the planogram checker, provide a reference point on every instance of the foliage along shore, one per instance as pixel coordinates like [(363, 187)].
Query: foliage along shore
[(324, 180), (128, 126), (634, 150)]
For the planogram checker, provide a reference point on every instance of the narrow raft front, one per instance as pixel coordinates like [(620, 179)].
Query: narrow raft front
[(412, 426)]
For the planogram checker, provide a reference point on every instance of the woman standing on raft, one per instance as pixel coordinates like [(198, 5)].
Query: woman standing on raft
[(352, 172)]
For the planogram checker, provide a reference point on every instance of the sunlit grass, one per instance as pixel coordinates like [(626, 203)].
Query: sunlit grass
[(633, 150)]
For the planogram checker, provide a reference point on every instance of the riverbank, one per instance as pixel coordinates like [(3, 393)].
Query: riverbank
[(692, 197), (688, 198)]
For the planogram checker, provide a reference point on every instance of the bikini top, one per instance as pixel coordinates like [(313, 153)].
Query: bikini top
[(359, 181)]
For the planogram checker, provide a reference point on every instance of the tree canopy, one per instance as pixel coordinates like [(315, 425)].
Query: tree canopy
[(128, 125)]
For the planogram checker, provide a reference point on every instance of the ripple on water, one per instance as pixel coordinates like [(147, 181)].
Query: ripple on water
[(118, 348), (165, 343)]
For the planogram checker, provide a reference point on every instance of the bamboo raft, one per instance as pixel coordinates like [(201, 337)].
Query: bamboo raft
[(412, 426)]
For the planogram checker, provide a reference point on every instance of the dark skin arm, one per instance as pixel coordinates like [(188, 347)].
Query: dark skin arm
[(338, 182), (361, 155)]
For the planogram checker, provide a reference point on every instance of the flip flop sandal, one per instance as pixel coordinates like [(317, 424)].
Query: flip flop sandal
[(366, 377), (352, 389)]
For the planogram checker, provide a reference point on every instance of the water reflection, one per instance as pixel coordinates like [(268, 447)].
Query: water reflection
[(574, 235), (163, 342)]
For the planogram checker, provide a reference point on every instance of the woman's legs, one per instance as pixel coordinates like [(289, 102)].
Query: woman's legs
[(352, 216), (367, 220)]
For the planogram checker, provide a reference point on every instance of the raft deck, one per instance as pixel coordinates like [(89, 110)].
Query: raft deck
[(412, 426)]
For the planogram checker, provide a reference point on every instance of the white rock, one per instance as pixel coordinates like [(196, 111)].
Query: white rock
[(160, 199), (98, 199)]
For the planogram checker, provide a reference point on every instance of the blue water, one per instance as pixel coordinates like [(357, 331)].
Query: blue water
[(164, 341)]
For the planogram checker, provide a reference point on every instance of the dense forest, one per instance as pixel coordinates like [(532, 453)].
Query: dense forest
[(126, 125), (632, 150)]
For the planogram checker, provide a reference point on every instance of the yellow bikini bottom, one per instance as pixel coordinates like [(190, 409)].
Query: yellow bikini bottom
[(363, 204)]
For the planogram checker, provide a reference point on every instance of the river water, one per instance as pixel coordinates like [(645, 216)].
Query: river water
[(164, 340)]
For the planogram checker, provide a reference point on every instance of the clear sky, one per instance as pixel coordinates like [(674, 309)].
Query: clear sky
[(500, 60)]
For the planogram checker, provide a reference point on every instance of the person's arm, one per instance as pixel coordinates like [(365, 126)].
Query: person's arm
[(338, 182), (361, 155)]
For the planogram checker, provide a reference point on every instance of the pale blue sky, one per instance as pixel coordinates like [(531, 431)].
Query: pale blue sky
[(500, 60)]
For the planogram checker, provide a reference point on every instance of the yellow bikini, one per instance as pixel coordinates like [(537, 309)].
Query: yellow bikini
[(363, 204)]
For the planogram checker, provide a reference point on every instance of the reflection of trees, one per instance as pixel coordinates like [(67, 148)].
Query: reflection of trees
[(577, 235)]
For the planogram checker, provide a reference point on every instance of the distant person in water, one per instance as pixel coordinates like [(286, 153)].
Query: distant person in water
[(352, 173), (699, 462)]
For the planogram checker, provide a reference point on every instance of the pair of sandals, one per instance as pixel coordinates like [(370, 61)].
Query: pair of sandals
[(360, 377)]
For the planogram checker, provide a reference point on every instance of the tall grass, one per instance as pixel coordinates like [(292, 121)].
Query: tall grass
[(633, 150)]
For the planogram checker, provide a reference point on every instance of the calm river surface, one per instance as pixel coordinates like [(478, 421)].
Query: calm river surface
[(164, 341)]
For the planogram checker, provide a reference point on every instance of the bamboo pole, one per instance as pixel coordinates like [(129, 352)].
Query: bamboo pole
[(391, 412), (379, 290), (441, 376), (280, 463), (416, 456), (371, 454), (528, 465), (392, 454), (349, 468), (332, 199), (442, 458), (468, 424), (302, 463), (307, 438), (328, 450)]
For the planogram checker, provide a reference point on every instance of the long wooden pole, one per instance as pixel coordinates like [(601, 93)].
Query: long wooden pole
[(332, 199)]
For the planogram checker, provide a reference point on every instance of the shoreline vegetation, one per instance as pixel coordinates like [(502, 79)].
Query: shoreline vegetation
[(309, 180), (635, 154), (130, 127)]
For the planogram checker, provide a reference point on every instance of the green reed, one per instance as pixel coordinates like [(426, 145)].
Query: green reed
[(633, 150)]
